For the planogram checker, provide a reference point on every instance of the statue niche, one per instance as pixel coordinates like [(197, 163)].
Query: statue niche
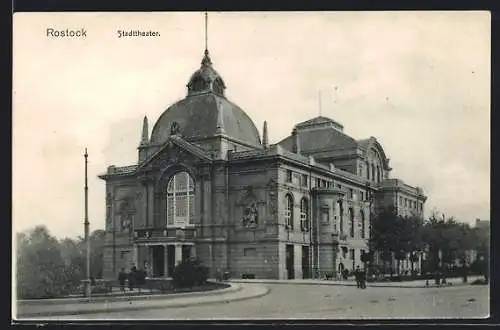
[(126, 213), (250, 205), (250, 215)]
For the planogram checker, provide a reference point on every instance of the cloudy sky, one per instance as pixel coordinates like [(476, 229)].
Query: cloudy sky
[(418, 81)]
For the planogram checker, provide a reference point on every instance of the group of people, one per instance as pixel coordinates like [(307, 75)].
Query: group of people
[(360, 276), (136, 278)]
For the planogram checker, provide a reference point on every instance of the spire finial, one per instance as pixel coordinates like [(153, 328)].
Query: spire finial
[(206, 33), (220, 118), (265, 139), (145, 132), (206, 58)]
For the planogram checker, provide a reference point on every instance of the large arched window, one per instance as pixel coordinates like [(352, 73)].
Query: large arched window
[(180, 200), (351, 221), (304, 214), (373, 173), (362, 214), (289, 211)]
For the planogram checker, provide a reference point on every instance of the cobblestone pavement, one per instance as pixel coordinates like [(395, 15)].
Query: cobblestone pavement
[(331, 302)]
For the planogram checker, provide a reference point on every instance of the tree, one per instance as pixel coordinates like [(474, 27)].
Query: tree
[(40, 267), (49, 268), (384, 233)]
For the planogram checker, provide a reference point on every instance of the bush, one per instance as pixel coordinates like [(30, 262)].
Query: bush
[(190, 273)]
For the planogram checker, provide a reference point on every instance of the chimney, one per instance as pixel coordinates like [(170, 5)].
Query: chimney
[(265, 140), (295, 141)]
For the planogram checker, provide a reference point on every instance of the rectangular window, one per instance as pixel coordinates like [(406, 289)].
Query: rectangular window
[(318, 183), (352, 254), (351, 193), (304, 180), (362, 194), (288, 176), (249, 252)]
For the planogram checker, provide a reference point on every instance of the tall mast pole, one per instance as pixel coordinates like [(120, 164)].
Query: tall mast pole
[(86, 228)]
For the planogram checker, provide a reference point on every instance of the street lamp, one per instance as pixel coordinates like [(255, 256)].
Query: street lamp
[(88, 284)]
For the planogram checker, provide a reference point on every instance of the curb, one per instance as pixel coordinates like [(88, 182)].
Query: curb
[(64, 301), (352, 284), (136, 308)]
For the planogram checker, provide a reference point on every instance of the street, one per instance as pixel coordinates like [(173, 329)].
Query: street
[(330, 302)]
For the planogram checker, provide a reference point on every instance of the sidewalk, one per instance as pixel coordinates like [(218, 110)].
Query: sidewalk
[(234, 293), (352, 282)]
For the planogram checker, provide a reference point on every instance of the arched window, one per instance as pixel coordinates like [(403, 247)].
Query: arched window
[(351, 221), (304, 214), (373, 172), (289, 211), (362, 214), (180, 200), (341, 216), (378, 173)]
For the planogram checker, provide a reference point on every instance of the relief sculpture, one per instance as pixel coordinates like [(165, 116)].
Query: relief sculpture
[(250, 204), (250, 215)]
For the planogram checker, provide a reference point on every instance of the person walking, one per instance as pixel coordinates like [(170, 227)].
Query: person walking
[(131, 278), (122, 277), (362, 279), (357, 277)]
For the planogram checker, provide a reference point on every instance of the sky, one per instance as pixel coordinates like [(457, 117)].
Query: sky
[(417, 81)]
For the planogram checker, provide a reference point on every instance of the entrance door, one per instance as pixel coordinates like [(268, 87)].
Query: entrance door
[(186, 252), (289, 262), (170, 260), (158, 260), (305, 262)]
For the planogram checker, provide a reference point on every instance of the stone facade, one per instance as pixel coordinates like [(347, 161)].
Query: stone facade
[(296, 209)]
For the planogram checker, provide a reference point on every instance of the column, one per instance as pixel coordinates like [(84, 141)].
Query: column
[(178, 253), (145, 202), (150, 208), (135, 255), (165, 260)]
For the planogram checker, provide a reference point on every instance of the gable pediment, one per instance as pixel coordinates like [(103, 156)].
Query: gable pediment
[(175, 151)]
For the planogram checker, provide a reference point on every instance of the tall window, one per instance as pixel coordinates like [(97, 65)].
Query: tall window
[(373, 172), (367, 171), (351, 221), (378, 173), (362, 224), (341, 216), (289, 211), (180, 200), (304, 214)]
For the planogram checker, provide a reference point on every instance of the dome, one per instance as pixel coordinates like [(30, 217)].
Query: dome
[(205, 112)]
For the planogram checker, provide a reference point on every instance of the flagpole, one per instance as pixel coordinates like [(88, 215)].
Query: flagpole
[(88, 288)]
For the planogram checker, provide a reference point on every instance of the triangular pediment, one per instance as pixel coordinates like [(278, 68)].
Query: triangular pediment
[(175, 151)]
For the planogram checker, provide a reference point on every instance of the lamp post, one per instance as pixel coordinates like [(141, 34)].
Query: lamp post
[(88, 284)]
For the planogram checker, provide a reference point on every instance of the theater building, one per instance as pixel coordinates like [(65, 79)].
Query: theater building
[(207, 185)]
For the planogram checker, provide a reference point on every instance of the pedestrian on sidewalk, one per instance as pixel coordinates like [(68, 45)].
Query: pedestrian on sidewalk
[(357, 274), (131, 278), (362, 279), (122, 277)]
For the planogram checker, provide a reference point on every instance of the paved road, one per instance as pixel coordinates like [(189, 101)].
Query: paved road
[(331, 302)]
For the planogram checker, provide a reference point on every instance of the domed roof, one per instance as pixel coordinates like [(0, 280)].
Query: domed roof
[(205, 112)]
